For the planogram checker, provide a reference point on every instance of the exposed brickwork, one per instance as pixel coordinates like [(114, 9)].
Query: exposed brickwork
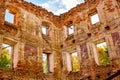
[(25, 35)]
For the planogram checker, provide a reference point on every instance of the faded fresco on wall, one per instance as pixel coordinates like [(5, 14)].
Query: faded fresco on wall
[(116, 41), (84, 57), (30, 53), (84, 52)]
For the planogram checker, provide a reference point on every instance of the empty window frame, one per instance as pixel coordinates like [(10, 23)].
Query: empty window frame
[(6, 56), (94, 18), (9, 17), (45, 58), (103, 53), (75, 62), (70, 30), (44, 29)]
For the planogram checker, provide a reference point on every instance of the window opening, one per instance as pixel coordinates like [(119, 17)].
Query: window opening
[(94, 18), (70, 30), (45, 63), (9, 17), (44, 30), (75, 62), (6, 56), (103, 53)]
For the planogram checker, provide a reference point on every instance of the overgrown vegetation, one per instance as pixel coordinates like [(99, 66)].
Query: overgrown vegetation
[(103, 55), (45, 63), (45, 66), (5, 60), (75, 64)]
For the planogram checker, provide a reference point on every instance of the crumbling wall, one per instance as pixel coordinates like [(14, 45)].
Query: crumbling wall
[(86, 35), (25, 35)]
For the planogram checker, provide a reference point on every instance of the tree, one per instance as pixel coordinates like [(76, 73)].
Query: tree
[(5, 60), (103, 55), (75, 63), (45, 66)]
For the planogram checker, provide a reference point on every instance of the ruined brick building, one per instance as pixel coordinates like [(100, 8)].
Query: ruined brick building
[(81, 44)]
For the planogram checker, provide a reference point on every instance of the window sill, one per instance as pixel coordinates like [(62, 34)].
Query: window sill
[(5, 69), (48, 74), (69, 37), (10, 25), (94, 26)]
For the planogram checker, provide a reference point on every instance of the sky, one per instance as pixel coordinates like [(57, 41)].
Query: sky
[(101, 44), (56, 6), (9, 17)]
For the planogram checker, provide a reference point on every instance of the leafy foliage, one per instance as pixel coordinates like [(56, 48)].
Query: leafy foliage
[(45, 63), (5, 60), (45, 66), (103, 55), (75, 63)]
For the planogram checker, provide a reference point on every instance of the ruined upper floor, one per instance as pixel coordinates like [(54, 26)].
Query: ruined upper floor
[(73, 16)]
